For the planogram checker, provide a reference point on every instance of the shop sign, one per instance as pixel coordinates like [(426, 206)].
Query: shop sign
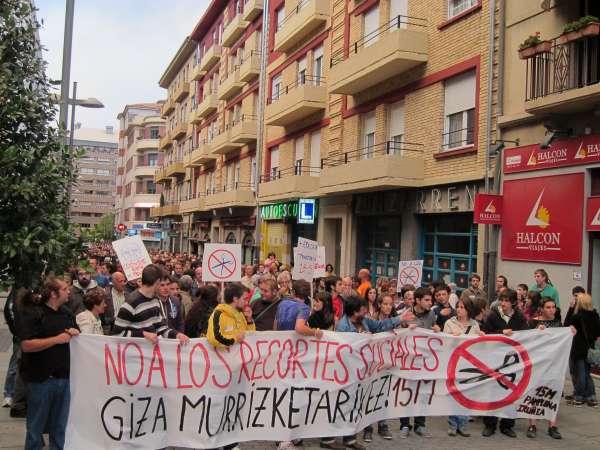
[(592, 222), (562, 153), (488, 209), (537, 225), (138, 226), (307, 211), (154, 226), (173, 234), (279, 211), (444, 199)]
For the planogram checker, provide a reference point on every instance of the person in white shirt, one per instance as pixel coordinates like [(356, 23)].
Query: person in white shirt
[(89, 321)]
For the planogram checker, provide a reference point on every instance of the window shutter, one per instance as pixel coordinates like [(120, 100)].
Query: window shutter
[(459, 93)]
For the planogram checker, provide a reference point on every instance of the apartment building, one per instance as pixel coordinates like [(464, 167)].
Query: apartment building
[(379, 110), (550, 103), (141, 129), (211, 113), (93, 195)]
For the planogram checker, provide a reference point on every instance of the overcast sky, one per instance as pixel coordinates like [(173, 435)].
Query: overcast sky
[(120, 49)]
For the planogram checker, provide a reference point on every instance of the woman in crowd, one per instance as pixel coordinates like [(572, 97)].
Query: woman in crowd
[(522, 291), (329, 271), (89, 321), (248, 278), (284, 281), (408, 301), (383, 285), (501, 285), (322, 315), (196, 322), (371, 297), (545, 318), (532, 304), (586, 321), (463, 323), (385, 307)]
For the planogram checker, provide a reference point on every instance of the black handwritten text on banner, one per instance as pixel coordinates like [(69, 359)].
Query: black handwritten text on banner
[(279, 385)]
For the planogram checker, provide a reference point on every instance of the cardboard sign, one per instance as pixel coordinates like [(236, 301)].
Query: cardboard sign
[(222, 262), (132, 255), (543, 219), (305, 259), (488, 209), (196, 396), (410, 272), (320, 266)]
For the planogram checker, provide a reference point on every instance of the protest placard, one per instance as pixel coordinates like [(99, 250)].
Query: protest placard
[(132, 255), (222, 262), (410, 272), (283, 386), (305, 259)]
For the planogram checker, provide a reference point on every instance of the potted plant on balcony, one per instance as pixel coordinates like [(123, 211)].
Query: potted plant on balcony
[(534, 45), (586, 26)]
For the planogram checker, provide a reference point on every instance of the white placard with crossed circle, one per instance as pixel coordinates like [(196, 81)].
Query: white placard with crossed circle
[(410, 272), (222, 262)]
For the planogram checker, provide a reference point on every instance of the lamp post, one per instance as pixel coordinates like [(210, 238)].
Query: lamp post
[(66, 63)]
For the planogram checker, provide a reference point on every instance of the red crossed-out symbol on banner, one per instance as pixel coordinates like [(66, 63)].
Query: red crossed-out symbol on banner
[(508, 380), (222, 264), (409, 275)]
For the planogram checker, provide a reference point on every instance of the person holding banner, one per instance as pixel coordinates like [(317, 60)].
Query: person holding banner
[(140, 316), (230, 321)]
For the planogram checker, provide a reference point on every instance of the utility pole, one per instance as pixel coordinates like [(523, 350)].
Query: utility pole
[(262, 82), (66, 64)]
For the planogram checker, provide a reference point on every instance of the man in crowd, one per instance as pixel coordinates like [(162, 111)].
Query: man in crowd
[(284, 281), (503, 320), (170, 305), (347, 290), (265, 308), (178, 270), (475, 289), (442, 309), (102, 276), (81, 286), (115, 297), (141, 314), (425, 318), (197, 283), (365, 282)]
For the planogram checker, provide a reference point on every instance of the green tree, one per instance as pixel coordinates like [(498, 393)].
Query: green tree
[(36, 168), (102, 231)]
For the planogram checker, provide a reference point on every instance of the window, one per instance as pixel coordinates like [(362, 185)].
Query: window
[(274, 172), (279, 16), (104, 161), (236, 174), (315, 153), (253, 172), (317, 65), (459, 111), (103, 172), (299, 155), (152, 159), (455, 7), (396, 128), (368, 135), (302, 70), (371, 25), (276, 87), (86, 171), (229, 182), (154, 133), (87, 159)]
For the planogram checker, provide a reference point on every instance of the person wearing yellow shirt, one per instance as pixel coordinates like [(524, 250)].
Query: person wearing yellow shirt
[(230, 321)]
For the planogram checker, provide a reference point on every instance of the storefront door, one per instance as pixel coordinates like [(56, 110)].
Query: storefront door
[(379, 246), (449, 248), (594, 271)]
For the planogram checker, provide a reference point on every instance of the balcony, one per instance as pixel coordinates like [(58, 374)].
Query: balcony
[(393, 49), (174, 168), (296, 101), (180, 131), (250, 66), (231, 196), (160, 175), (383, 166), (294, 182), (172, 209), (141, 145), (306, 17), (221, 144), (234, 29), (167, 108), (207, 106), (252, 9), (198, 73), (244, 130), (182, 91), (566, 80), (156, 212), (210, 58), (165, 142), (200, 155), (230, 86), (144, 171), (145, 200), (191, 205)]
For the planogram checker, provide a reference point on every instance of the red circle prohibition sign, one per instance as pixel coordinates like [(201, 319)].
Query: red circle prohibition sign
[(409, 275), (515, 389), (222, 264)]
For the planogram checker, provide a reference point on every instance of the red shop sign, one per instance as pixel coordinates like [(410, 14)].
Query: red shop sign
[(488, 209), (562, 153), (543, 220), (592, 222)]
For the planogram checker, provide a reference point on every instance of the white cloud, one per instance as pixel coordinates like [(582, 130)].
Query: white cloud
[(120, 49)]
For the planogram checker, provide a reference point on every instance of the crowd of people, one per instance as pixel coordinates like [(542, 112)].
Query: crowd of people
[(171, 300)]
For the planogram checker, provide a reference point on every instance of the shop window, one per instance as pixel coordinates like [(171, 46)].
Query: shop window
[(449, 248), (230, 238)]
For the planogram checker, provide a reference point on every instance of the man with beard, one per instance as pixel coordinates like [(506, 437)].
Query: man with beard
[(82, 285)]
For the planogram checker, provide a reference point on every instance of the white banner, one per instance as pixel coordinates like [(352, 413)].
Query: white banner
[(132, 255), (127, 393)]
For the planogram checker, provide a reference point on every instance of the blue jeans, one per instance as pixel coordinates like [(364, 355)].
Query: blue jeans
[(11, 373), (582, 380), (47, 410), (458, 422)]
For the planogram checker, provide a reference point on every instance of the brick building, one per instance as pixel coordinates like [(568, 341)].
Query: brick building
[(141, 129)]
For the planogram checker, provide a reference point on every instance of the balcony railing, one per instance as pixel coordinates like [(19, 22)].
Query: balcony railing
[(306, 80), (296, 171), (301, 21), (397, 23), (294, 12), (458, 138), (568, 66), (227, 187), (250, 66), (388, 148)]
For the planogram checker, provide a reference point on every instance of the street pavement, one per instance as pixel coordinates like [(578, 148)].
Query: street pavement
[(580, 427)]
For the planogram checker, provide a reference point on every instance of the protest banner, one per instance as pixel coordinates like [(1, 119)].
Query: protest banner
[(410, 272), (222, 262), (132, 255), (279, 386), (305, 259)]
